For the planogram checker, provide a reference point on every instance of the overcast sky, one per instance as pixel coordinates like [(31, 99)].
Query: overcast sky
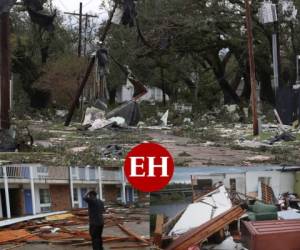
[(89, 6)]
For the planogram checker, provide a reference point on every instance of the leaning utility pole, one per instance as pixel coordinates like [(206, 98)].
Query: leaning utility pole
[(252, 67), (89, 69), (80, 14), (80, 30), (4, 71), (85, 34), (276, 40)]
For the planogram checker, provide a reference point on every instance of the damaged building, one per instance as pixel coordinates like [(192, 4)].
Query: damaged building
[(230, 208), (247, 180), (28, 189)]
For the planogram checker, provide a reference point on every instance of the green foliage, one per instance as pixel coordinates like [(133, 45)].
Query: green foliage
[(198, 49)]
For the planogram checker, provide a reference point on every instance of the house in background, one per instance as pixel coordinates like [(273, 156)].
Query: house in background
[(27, 189), (125, 93)]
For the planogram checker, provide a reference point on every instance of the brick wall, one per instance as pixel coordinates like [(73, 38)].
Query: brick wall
[(111, 192), (60, 197)]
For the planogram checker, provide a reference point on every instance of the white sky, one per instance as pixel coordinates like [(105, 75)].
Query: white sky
[(89, 6)]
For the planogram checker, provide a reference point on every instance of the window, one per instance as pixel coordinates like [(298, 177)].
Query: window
[(42, 172), (82, 173), (232, 183), (204, 185), (92, 173), (45, 196), (75, 194)]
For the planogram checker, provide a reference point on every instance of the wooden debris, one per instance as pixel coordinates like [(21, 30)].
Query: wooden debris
[(15, 236), (158, 230), (56, 229), (130, 246), (14, 247), (197, 235), (130, 233)]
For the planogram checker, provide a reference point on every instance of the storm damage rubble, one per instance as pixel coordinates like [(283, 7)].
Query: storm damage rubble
[(71, 228), (225, 219)]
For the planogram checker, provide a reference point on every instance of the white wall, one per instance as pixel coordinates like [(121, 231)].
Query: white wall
[(287, 182), (240, 182), (125, 93), (252, 180), (280, 181), (248, 182)]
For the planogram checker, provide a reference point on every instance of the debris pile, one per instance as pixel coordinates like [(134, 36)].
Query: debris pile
[(212, 220), (205, 218), (71, 228)]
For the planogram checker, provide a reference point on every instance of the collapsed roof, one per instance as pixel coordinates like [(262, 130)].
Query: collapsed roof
[(208, 207)]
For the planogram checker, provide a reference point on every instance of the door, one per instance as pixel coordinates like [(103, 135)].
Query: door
[(129, 196), (3, 202), (83, 192), (28, 201)]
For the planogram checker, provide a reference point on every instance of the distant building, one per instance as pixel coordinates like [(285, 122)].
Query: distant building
[(125, 93), (34, 188)]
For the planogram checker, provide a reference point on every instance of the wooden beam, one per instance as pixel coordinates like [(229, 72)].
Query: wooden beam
[(79, 91), (132, 234), (158, 232), (196, 236), (252, 67)]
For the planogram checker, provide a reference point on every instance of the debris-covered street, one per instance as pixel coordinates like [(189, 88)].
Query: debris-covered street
[(217, 143)]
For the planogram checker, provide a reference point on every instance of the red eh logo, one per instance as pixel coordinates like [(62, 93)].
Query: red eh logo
[(149, 167)]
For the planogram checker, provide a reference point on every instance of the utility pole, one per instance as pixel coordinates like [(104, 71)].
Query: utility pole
[(4, 71), (276, 40), (80, 14), (162, 76), (89, 69), (85, 34), (252, 67), (80, 30)]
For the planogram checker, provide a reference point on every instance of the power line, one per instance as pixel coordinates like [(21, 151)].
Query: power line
[(80, 14)]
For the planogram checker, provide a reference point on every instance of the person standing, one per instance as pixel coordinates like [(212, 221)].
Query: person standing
[(96, 222)]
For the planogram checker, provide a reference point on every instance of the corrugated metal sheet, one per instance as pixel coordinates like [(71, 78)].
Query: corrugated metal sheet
[(275, 235)]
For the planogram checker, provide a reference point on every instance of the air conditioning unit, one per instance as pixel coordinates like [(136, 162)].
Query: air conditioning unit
[(45, 209)]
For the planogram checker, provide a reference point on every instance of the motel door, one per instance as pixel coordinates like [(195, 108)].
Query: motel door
[(129, 195), (28, 201)]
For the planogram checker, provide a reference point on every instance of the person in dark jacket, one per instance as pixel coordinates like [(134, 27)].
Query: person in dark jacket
[(96, 210)]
